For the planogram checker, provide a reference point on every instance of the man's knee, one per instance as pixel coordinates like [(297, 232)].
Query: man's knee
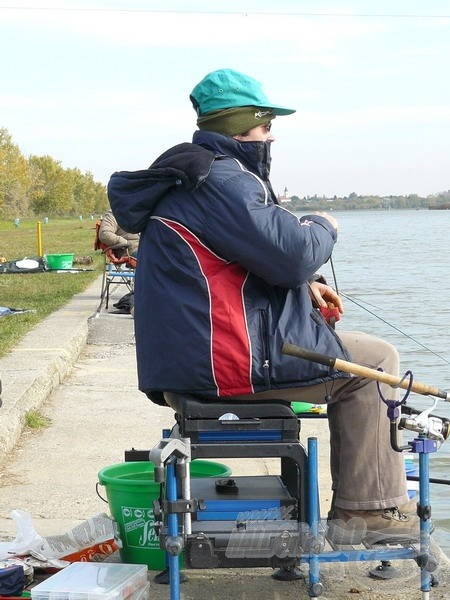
[(370, 350)]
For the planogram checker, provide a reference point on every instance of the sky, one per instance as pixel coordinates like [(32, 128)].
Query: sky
[(104, 86)]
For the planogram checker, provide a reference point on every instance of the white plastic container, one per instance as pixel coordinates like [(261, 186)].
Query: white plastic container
[(93, 581)]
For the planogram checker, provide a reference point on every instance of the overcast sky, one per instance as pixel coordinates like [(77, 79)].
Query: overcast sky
[(104, 85)]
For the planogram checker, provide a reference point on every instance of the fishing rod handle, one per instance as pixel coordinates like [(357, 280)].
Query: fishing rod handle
[(308, 354), (392, 380), (362, 371)]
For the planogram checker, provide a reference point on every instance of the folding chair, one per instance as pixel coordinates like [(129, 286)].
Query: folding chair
[(117, 270)]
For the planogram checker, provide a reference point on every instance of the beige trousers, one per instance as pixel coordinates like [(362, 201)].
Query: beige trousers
[(366, 473)]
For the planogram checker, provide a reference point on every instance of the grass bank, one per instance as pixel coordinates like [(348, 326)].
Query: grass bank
[(43, 293)]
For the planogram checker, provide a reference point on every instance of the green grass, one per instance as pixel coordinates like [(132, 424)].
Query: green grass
[(36, 420), (42, 292)]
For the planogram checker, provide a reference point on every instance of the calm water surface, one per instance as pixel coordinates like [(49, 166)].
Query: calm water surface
[(397, 264)]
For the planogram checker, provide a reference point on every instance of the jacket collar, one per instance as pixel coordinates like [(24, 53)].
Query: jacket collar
[(255, 156)]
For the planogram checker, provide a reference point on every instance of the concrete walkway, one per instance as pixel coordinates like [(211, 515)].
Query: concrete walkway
[(78, 368)]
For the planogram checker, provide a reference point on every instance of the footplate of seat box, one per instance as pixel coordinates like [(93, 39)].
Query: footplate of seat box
[(244, 522), (228, 544)]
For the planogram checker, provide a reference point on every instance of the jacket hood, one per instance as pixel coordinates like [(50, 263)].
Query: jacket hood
[(133, 195)]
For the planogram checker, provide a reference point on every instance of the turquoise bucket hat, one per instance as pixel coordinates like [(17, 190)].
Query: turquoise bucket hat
[(226, 88)]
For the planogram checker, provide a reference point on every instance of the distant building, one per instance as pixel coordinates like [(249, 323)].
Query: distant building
[(284, 197)]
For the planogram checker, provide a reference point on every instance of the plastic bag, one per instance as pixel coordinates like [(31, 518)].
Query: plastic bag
[(90, 540), (27, 539)]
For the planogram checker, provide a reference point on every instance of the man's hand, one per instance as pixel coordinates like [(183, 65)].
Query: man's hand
[(323, 295), (328, 217)]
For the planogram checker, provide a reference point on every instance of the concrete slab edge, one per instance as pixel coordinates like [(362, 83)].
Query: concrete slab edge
[(41, 362)]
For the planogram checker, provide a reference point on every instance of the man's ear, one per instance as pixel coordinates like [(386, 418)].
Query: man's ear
[(239, 137)]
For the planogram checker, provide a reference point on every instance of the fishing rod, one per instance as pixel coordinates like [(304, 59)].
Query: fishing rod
[(430, 479), (396, 328), (362, 371), (348, 297), (436, 429)]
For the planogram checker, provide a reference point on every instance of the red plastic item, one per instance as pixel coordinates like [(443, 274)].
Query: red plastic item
[(331, 313)]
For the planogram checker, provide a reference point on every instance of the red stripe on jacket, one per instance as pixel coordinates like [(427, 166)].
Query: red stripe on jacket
[(230, 341)]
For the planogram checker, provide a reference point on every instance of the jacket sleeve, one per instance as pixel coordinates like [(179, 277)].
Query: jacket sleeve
[(245, 226)]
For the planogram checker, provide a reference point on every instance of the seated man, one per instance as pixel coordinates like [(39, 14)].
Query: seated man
[(122, 242), (227, 275)]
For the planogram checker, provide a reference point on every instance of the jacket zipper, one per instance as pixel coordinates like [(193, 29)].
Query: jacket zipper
[(266, 360)]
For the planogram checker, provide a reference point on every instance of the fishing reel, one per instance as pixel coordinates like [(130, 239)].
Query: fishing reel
[(427, 425), (430, 426)]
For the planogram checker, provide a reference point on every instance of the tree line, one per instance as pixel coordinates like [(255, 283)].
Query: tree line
[(40, 186), (356, 202)]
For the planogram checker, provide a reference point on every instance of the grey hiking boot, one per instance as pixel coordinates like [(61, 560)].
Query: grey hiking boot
[(352, 526)]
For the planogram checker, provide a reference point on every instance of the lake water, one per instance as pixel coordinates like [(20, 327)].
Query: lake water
[(397, 264)]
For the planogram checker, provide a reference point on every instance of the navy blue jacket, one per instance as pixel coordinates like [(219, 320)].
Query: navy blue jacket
[(223, 270)]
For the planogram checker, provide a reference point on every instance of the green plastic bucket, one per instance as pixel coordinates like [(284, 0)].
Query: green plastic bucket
[(59, 261), (130, 490)]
